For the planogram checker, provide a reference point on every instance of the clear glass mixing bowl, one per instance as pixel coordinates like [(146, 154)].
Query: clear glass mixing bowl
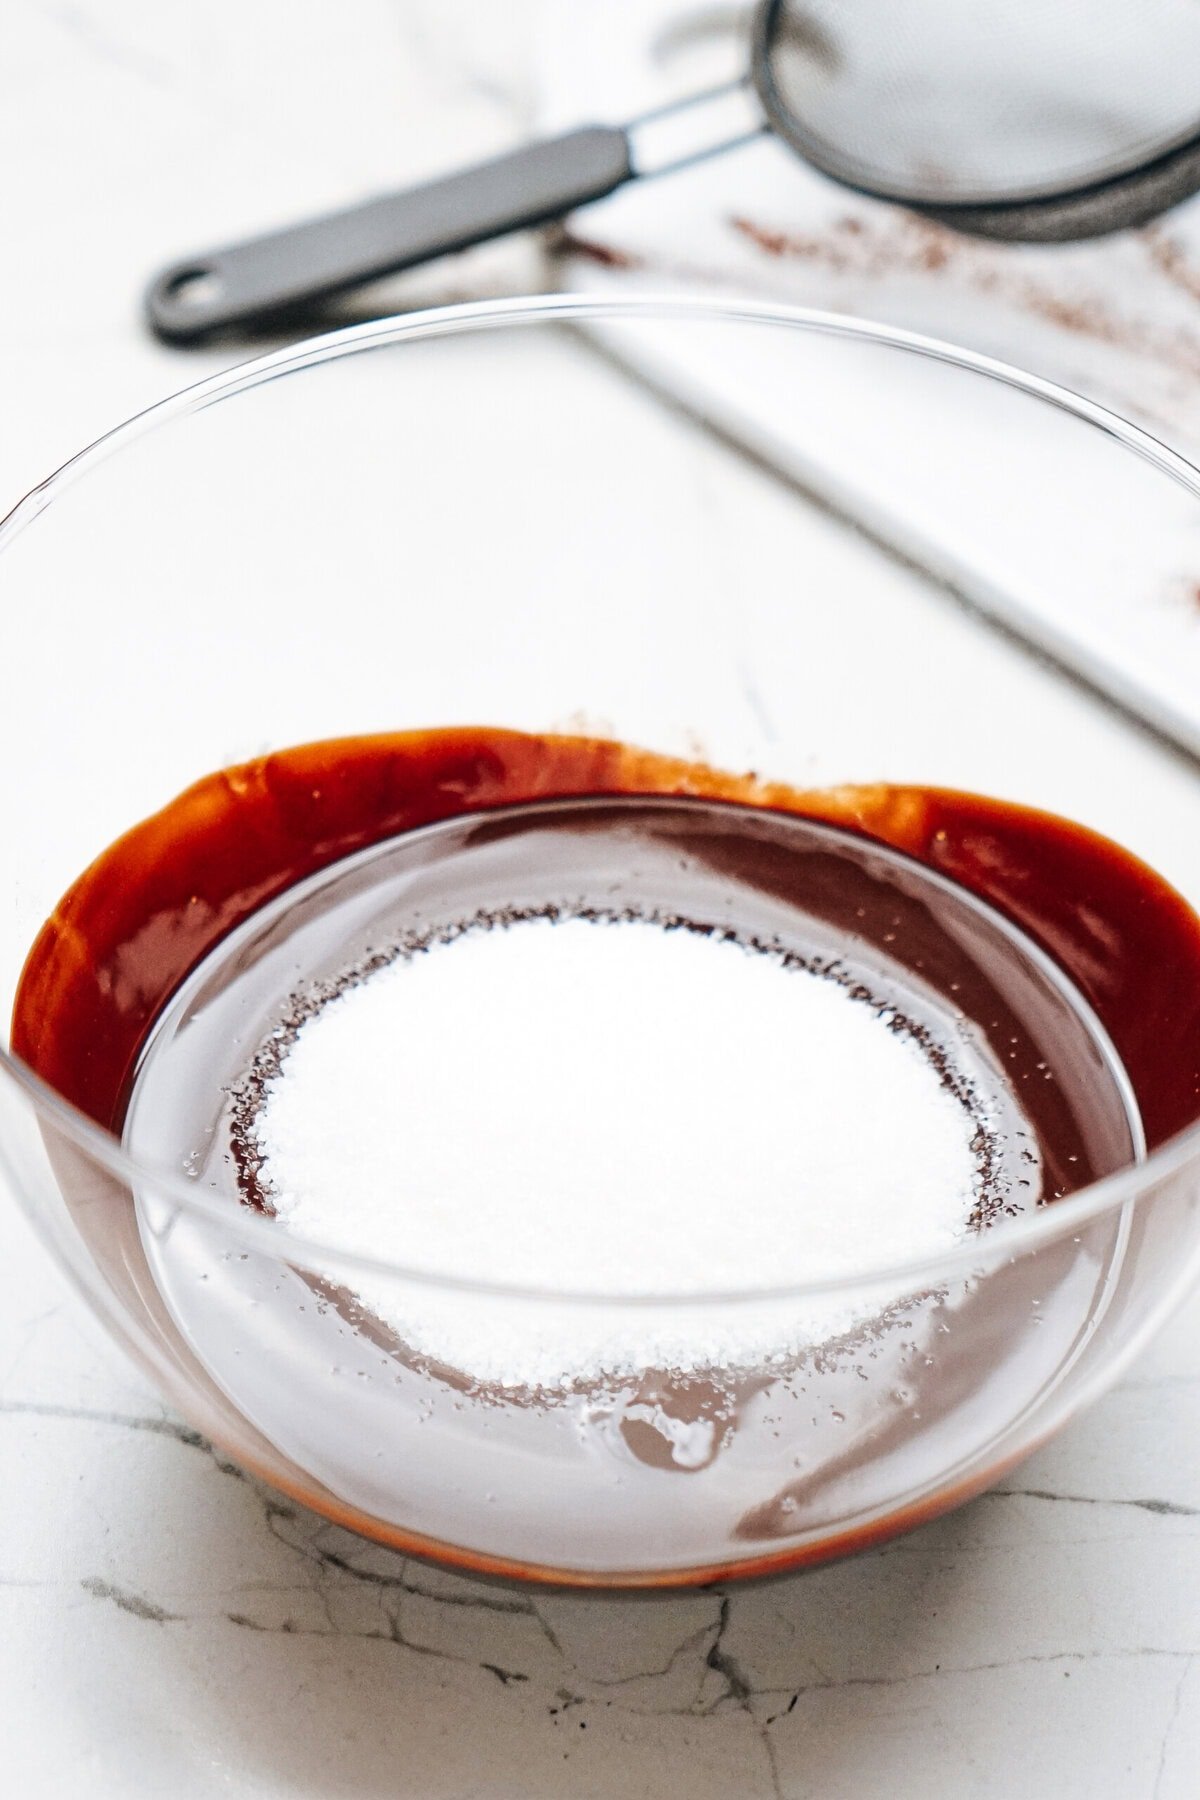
[(504, 514)]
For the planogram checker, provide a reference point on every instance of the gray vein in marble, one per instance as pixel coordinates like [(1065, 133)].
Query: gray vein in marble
[(692, 1642), (739, 1690), (401, 1582), (757, 705), (393, 1634), (1172, 1509), (1168, 1731), (158, 1424), (939, 1672), (29, 1336), (129, 1602)]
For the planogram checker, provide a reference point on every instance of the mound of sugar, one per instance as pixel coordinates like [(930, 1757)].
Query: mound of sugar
[(616, 1108)]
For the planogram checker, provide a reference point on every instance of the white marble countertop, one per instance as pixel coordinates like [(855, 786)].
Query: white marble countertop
[(166, 1625)]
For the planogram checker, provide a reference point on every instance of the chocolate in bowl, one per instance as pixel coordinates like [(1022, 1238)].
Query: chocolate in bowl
[(246, 858)]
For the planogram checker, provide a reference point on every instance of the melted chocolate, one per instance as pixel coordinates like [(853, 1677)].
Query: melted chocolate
[(158, 900)]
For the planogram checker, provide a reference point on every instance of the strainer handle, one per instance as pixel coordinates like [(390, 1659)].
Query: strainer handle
[(268, 277)]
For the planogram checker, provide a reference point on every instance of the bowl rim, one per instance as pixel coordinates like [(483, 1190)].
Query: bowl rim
[(1008, 1237)]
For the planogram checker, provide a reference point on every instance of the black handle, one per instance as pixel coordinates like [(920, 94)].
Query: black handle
[(248, 283)]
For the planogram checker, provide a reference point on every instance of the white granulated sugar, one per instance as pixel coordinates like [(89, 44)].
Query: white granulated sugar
[(619, 1109)]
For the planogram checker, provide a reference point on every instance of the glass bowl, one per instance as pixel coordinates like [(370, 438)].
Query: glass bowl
[(504, 515)]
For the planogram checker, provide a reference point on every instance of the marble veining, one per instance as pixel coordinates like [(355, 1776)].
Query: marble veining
[(982, 1602)]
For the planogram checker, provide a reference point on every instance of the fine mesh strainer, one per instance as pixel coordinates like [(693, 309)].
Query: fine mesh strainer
[(1035, 120)]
